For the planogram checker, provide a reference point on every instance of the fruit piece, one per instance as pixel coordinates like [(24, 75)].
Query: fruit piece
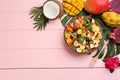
[(89, 49), (111, 19), (115, 6), (79, 31), (74, 35), (84, 28), (95, 28), (71, 24), (115, 35), (82, 46), (96, 6), (69, 40), (93, 45), (67, 35), (73, 7), (77, 22), (79, 50), (76, 43), (52, 9), (68, 28), (99, 36), (83, 51)]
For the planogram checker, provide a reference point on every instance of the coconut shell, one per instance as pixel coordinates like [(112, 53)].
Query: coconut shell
[(60, 8)]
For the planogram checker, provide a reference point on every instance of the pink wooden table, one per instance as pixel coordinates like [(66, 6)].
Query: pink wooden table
[(26, 54)]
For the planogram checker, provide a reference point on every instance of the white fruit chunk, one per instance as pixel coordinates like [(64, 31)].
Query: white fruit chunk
[(51, 9)]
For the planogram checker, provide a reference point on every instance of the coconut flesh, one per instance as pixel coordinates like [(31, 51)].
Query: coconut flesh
[(51, 9)]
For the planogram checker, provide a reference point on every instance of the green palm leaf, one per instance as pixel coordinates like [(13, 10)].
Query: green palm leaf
[(40, 21)]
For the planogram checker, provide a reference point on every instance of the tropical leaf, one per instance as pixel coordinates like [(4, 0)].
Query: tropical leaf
[(40, 21), (110, 49), (99, 49), (117, 49)]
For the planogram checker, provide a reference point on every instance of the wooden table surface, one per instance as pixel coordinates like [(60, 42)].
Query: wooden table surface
[(26, 54)]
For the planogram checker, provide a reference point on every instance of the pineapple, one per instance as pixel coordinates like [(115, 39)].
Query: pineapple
[(111, 19), (73, 7)]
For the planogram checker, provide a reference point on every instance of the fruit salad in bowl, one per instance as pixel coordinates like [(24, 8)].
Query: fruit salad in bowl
[(83, 34)]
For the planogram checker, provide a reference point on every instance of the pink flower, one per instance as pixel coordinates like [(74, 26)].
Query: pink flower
[(112, 63)]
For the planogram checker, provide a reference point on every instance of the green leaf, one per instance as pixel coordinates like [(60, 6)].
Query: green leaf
[(106, 33), (118, 49), (65, 20), (101, 23), (99, 48), (40, 21), (88, 24), (101, 54), (110, 49), (83, 13)]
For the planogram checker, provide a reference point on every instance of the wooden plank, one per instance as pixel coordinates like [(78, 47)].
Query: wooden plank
[(31, 39), (21, 21), (60, 74), (19, 5), (44, 58)]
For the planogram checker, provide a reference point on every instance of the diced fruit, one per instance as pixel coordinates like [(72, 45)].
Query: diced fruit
[(68, 40), (68, 28), (82, 47), (91, 45), (99, 36), (76, 43), (79, 50), (89, 49), (77, 22), (95, 28), (83, 34), (83, 50), (80, 37), (67, 35), (71, 25), (73, 7), (74, 35), (79, 31), (84, 28)]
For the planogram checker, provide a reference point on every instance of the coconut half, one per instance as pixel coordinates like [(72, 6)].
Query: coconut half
[(52, 9)]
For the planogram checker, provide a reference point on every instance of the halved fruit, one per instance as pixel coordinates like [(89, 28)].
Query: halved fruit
[(52, 9)]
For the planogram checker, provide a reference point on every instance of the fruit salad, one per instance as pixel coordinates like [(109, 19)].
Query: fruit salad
[(83, 34)]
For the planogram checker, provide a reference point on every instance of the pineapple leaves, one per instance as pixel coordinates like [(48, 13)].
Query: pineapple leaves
[(40, 21)]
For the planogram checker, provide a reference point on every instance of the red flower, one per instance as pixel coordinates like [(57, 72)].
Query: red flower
[(112, 63)]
